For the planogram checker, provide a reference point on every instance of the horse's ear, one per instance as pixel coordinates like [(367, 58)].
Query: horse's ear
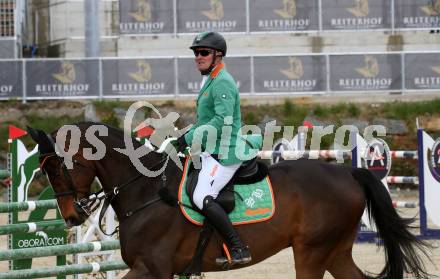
[(45, 144), (34, 133)]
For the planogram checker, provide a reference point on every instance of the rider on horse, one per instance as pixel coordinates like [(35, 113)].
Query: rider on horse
[(218, 104)]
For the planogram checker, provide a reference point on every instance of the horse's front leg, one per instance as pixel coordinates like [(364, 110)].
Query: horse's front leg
[(138, 270), (141, 271)]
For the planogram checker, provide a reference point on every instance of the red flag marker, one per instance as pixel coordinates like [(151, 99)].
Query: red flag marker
[(15, 133), (308, 124), (145, 132)]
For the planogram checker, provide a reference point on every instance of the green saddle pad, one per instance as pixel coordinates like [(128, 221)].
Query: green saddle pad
[(258, 202)]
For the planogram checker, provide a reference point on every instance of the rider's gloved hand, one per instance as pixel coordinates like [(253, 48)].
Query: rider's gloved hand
[(181, 144)]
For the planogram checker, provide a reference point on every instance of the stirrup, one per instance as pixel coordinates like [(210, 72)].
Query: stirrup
[(240, 256)]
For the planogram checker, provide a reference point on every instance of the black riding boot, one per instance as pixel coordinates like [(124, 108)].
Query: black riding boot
[(219, 219)]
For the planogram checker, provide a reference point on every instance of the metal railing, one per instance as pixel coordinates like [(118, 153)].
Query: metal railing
[(335, 73)]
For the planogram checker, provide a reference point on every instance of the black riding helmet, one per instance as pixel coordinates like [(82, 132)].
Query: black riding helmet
[(210, 40)]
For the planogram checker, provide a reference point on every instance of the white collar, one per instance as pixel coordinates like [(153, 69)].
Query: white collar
[(204, 79)]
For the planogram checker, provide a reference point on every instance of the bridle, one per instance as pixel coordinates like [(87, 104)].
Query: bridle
[(80, 205), (86, 206), (72, 190)]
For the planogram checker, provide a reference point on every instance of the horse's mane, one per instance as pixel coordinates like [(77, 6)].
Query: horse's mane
[(117, 135)]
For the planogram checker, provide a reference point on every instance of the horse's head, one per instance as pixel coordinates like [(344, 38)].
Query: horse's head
[(70, 185)]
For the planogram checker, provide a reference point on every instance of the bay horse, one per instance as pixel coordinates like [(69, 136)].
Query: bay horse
[(318, 211)]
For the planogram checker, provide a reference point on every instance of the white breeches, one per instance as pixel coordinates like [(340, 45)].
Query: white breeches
[(212, 178)]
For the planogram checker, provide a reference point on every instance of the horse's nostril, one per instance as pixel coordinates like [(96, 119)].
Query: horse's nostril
[(72, 221)]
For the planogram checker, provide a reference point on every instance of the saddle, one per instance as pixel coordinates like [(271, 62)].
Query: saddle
[(251, 171)]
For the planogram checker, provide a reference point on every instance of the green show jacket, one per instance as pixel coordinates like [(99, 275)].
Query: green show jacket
[(217, 130)]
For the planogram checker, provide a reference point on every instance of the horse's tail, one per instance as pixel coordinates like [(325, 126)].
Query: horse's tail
[(400, 245)]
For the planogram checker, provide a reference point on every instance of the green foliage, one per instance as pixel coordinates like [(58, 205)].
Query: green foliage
[(288, 107), (292, 115), (338, 108), (296, 117), (95, 186), (410, 110), (109, 105), (50, 123), (320, 111), (47, 123), (249, 118), (105, 109), (11, 102), (435, 134), (265, 109), (353, 110), (110, 119), (432, 106)]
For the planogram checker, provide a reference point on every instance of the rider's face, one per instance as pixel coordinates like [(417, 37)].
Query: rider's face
[(203, 58)]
